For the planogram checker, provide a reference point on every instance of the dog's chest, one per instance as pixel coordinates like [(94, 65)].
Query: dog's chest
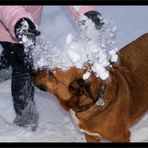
[(77, 122)]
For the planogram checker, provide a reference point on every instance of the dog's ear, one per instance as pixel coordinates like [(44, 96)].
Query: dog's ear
[(90, 86), (93, 85)]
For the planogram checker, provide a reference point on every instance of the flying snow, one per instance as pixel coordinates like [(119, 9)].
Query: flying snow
[(88, 46)]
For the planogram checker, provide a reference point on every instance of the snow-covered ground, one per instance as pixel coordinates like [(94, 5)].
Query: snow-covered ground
[(55, 124)]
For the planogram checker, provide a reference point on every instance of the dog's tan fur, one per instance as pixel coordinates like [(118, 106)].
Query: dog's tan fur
[(125, 96)]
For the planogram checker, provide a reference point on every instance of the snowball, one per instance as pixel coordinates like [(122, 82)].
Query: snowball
[(100, 71), (114, 58), (86, 75), (104, 75)]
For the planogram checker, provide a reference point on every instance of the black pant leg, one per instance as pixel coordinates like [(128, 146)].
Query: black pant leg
[(22, 88), (3, 61)]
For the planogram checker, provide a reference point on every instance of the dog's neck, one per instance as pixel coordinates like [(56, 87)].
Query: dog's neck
[(90, 101), (108, 94)]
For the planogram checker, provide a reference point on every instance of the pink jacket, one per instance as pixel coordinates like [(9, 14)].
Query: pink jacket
[(9, 15)]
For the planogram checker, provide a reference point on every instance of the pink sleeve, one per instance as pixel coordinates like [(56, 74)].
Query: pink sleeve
[(9, 15), (77, 11)]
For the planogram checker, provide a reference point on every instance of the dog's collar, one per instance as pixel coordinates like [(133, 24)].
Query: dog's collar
[(99, 101)]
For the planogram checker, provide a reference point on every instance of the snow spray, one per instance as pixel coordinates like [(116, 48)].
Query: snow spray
[(80, 50)]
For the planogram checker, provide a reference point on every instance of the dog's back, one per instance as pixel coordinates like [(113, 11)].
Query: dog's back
[(134, 57)]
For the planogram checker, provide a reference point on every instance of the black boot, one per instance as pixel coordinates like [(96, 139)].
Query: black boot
[(22, 88)]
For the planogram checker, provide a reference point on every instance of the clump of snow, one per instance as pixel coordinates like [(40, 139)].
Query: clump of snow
[(100, 71), (86, 75), (89, 46)]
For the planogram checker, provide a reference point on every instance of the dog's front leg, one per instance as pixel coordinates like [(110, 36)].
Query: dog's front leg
[(94, 139)]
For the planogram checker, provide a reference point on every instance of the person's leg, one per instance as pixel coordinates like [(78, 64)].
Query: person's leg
[(3, 61), (22, 88), (5, 69)]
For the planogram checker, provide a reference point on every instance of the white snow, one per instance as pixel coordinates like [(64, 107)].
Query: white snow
[(101, 71), (53, 122), (89, 46), (86, 75), (73, 56), (69, 38), (55, 125), (25, 40)]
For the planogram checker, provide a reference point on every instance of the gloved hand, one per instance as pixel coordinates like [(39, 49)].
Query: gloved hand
[(25, 31), (89, 22)]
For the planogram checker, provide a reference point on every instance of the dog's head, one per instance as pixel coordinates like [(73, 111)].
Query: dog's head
[(68, 86)]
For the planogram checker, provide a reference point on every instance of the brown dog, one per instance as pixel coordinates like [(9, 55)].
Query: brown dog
[(124, 95)]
